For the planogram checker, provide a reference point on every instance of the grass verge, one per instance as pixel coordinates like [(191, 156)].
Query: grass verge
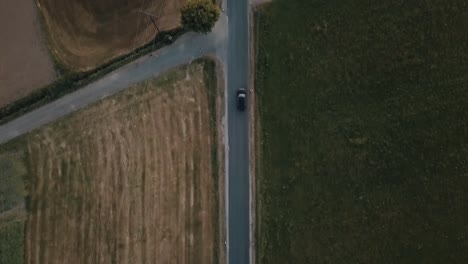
[(210, 78), (363, 131), (11, 243)]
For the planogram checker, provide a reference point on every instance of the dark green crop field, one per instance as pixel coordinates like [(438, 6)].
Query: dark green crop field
[(363, 139)]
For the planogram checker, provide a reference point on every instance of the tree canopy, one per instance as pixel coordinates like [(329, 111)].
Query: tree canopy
[(200, 15)]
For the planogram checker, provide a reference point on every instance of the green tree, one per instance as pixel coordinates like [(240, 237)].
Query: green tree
[(200, 15)]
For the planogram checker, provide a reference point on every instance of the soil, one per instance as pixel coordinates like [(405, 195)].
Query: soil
[(25, 63), (84, 34), (128, 180)]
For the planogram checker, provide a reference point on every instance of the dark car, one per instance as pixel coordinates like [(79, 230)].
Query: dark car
[(241, 99)]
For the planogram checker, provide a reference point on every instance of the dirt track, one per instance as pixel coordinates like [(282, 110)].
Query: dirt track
[(25, 64), (86, 33), (127, 181)]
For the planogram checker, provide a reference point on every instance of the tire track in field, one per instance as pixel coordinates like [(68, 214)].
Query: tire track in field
[(126, 182)]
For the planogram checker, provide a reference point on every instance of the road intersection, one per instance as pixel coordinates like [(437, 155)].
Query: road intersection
[(229, 43)]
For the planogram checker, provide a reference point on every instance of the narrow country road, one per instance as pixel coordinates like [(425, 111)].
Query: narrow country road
[(185, 49), (238, 131), (229, 42)]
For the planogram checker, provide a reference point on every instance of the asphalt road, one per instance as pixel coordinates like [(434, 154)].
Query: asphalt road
[(185, 49), (238, 170)]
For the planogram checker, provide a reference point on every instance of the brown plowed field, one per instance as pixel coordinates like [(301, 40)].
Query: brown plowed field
[(25, 64), (86, 33), (129, 180)]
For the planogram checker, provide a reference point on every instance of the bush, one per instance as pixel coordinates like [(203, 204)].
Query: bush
[(200, 15)]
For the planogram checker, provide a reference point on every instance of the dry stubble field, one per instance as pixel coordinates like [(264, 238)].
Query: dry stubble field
[(84, 34), (132, 179), (25, 64)]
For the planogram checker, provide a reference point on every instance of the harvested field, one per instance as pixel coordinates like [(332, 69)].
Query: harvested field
[(25, 64), (130, 180), (86, 33)]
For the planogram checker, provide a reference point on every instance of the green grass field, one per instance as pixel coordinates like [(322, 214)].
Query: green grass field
[(11, 243), (12, 209), (364, 131), (11, 183)]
